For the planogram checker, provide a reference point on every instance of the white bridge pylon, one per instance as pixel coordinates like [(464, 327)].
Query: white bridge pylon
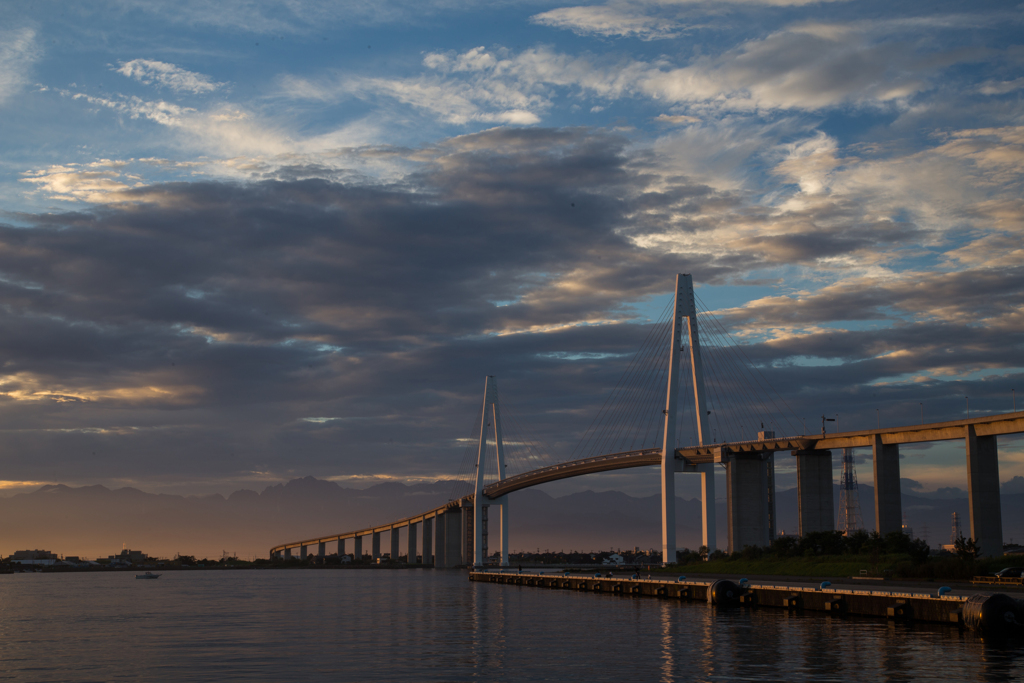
[(685, 307), (490, 417)]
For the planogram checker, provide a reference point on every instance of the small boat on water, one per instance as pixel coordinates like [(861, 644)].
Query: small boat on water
[(147, 575)]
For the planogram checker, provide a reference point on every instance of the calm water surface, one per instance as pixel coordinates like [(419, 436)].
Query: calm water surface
[(426, 625)]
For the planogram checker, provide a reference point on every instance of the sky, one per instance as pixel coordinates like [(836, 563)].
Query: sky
[(253, 240)]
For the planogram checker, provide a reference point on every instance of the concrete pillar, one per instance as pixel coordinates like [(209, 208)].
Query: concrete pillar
[(748, 502), (375, 546), (983, 492), (814, 491), (467, 539), (394, 544), (357, 548), (302, 553), (287, 553), (888, 500), (504, 531), (411, 545), (453, 538), (773, 517), (440, 544), (341, 547), (321, 550), (428, 541)]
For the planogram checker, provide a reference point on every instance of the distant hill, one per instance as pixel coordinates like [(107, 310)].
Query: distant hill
[(94, 521)]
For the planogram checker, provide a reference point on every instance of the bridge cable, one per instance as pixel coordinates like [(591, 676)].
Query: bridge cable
[(632, 396), (756, 372), (600, 422)]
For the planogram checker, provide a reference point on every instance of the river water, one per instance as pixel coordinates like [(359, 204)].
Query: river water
[(427, 625)]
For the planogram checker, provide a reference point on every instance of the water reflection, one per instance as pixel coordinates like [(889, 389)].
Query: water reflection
[(435, 626)]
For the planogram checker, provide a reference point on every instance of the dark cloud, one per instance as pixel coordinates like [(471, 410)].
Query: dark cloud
[(301, 326)]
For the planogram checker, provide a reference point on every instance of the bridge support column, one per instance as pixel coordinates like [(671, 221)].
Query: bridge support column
[(503, 507), (814, 491), (749, 502), (341, 548), (453, 537), (394, 544), (440, 543), (773, 516), (287, 554), (321, 550), (467, 537), (302, 553), (709, 518), (357, 548), (375, 546), (410, 553), (983, 492), (888, 500), (427, 555)]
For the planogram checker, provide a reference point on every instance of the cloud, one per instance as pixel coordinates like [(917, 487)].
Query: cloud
[(168, 75), (239, 310), (18, 52), (804, 67), (459, 102), (609, 20), (223, 129), (647, 20)]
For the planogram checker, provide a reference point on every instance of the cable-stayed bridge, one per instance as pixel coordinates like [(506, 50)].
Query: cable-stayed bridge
[(720, 397)]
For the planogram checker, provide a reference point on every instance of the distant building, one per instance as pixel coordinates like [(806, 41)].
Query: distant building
[(40, 557), (128, 557)]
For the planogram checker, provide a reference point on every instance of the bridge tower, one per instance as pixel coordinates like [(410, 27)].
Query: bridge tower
[(490, 417), (685, 307)]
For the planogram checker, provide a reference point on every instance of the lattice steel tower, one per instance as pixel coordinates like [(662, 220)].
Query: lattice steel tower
[(850, 519)]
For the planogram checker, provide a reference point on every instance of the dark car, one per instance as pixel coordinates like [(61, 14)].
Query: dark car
[(1010, 573)]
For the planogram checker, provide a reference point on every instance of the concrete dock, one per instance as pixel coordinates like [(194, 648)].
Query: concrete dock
[(901, 603)]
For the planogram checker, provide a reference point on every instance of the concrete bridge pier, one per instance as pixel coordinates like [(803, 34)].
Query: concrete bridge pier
[(287, 554), (341, 547), (302, 553), (428, 541), (814, 491), (454, 537), (357, 548), (410, 555), (321, 549), (375, 546), (888, 499), (394, 544), (440, 562), (983, 492), (467, 536), (448, 539), (750, 501)]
